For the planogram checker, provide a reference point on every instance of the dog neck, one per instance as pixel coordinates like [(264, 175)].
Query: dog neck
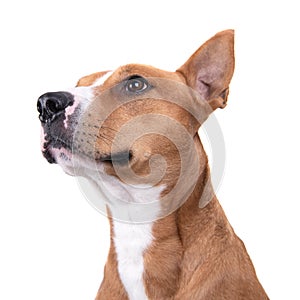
[(147, 258)]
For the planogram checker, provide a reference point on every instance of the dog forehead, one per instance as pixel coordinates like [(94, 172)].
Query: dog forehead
[(108, 79), (145, 71), (168, 89)]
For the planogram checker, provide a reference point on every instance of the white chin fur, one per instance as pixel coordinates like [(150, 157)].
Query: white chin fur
[(64, 158)]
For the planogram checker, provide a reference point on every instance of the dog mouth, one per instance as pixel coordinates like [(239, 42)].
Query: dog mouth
[(80, 145), (121, 157), (57, 151)]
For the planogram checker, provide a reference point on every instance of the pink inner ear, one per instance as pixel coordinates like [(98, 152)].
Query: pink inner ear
[(207, 80), (203, 88)]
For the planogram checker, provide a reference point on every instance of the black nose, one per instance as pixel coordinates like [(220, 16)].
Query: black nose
[(51, 105)]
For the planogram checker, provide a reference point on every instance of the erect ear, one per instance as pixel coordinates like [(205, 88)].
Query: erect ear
[(210, 68)]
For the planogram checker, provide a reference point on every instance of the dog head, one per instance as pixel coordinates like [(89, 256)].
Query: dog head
[(137, 125)]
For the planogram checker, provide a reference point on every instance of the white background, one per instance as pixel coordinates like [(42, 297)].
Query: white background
[(53, 243)]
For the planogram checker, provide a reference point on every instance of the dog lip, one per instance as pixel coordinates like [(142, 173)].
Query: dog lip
[(53, 142), (119, 157), (56, 142), (49, 157)]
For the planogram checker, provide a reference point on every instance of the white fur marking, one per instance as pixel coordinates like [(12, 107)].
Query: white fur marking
[(131, 240), (83, 95), (69, 111), (99, 81), (129, 203)]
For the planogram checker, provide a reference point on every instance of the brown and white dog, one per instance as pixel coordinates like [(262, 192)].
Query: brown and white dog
[(133, 133)]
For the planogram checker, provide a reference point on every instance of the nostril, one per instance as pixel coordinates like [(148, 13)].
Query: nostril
[(53, 106)]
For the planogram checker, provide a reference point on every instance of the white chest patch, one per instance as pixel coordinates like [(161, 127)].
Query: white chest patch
[(131, 207), (131, 240)]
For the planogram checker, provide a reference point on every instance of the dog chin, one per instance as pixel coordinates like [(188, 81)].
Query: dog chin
[(72, 163), (62, 157)]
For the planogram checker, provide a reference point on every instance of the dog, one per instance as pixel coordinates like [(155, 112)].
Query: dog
[(133, 133)]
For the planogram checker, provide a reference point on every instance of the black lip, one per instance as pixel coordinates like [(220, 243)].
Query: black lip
[(120, 157), (49, 157), (53, 143)]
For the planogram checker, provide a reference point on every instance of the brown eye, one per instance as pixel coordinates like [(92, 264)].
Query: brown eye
[(136, 84)]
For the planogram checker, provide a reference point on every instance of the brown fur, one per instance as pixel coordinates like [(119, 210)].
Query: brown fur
[(195, 253)]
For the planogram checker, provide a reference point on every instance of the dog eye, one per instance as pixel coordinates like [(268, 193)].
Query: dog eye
[(136, 84)]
